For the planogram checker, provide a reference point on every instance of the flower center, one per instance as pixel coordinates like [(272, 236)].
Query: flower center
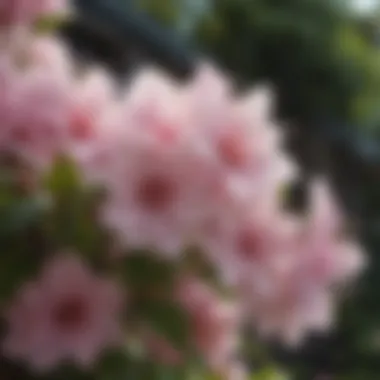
[(81, 127), (231, 150), (70, 313), (22, 133), (155, 193), (249, 244)]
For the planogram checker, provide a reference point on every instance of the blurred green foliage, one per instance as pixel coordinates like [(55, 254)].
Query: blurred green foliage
[(165, 11), (312, 51)]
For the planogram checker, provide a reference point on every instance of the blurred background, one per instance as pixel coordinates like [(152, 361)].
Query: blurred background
[(322, 57)]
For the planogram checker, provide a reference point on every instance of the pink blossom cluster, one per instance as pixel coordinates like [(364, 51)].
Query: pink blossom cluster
[(183, 164), (196, 164)]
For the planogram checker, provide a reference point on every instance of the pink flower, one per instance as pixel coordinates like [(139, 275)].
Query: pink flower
[(145, 117), (213, 323), (92, 103), (245, 245), (238, 135), (155, 109), (207, 94), (303, 289), (67, 314), (157, 196), (38, 126), (291, 309), (329, 257), (48, 53)]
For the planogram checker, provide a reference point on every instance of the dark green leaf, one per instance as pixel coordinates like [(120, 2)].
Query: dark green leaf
[(142, 269), (269, 374), (167, 319), (116, 365), (64, 179), (16, 267), (65, 372), (18, 214)]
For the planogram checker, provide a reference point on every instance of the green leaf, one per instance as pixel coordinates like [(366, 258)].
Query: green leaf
[(142, 269), (171, 373), (73, 223), (18, 210), (23, 247), (16, 267), (195, 260), (49, 24), (116, 365), (68, 371), (18, 214), (269, 374), (168, 319), (64, 178), (152, 370)]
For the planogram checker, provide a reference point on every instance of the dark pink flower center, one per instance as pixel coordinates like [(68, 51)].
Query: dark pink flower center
[(71, 313), (21, 133), (8, 11), (81, 126), (249, 244), (155, 193), (166, 133), (231, 150)]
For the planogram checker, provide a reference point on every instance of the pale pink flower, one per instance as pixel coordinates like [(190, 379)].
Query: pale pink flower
[(328, 257), (213, 322), (67, 314), (145, 117), (302, 294), (207, 94), (97, 138), (48, 53), (290, 307), (155, 109), (237, 134), (93, 101), (258, 106), (326, 216), (98, 88), (257, 111), (157, 196), (38, 127), (245, 244)]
